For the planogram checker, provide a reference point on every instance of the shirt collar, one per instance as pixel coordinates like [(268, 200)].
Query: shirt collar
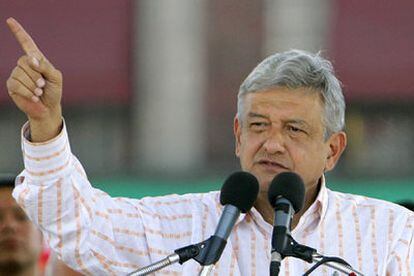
[(318, 207), (322, 198)]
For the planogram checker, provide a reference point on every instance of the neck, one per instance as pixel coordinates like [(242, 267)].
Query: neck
[(263, 206)]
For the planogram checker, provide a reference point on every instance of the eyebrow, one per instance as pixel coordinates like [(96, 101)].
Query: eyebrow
[(290, 121), (298, 122), (256, 115)]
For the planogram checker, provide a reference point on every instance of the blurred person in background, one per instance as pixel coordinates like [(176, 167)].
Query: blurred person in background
[(22, 250), (290, 118), (20, 241)]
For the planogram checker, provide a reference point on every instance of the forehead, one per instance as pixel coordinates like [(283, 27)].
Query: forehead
[(300, 102), (6, 198)]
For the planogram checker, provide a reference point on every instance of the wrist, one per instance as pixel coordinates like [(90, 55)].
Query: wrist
[(44, 129)]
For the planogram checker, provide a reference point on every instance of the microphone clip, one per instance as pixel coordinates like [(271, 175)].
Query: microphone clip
[(294, 249), (212, 244)]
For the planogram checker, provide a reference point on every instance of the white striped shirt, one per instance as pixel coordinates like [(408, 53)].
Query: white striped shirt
[(101, 235)]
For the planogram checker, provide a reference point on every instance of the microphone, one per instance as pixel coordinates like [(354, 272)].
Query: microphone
[(238, 194), (286, 194)]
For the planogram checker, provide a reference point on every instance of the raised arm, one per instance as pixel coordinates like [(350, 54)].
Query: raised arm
[(78, 221)]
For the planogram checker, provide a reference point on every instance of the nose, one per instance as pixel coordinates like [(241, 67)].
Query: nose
[(8, 223), (274, 143)]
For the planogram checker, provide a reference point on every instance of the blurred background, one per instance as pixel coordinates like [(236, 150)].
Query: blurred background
[(150, 86)]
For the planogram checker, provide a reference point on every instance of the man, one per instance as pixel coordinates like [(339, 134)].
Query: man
[(290, 118), (20, 240), (21, 244)]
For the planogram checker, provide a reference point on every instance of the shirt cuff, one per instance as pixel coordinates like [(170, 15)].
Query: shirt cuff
[(47, 160)]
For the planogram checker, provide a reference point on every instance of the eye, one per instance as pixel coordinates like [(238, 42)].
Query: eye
[(258, 126), (295, 130)]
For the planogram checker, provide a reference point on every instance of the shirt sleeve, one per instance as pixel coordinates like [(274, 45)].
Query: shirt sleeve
[(401, 261), (84, 226)]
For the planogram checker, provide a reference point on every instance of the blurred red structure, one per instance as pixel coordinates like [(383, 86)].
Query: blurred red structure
[(90, 41), (373, 49)]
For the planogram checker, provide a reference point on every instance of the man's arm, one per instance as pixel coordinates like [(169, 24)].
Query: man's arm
[(78, 221)]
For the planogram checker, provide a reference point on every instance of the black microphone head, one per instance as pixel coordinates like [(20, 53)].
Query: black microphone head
[(240, 189), (288, 185)]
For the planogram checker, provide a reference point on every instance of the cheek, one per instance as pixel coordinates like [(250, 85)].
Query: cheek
[(248, 148), (250, 144), (33, 238), (308, 160)]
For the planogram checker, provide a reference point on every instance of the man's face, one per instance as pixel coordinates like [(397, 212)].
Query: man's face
[(20, 241), (282, 130)]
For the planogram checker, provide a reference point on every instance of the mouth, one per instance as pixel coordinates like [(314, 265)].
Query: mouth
[(272, 165), (9, 244)]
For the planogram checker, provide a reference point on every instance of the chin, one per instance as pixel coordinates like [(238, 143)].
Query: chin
[(264, 183)]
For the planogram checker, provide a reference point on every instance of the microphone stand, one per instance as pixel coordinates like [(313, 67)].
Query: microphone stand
[(207, 270), (199, 252), (310, 255), (180, 256), (333, 262)]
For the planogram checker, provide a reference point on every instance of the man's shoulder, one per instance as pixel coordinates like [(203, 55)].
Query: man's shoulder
[(378, 206)]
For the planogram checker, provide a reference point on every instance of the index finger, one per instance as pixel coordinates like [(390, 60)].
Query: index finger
[(24, 39)]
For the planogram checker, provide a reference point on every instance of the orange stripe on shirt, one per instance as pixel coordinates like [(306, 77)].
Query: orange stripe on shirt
[(21, 198), (253, 242), (169, 203), (85, 204), (233, 254), (48, 172), (102, 215), (106, 264), (47, 157), (322, 244), (374, 236), (407, 265), (340, 229), (404, 242), (358, 236), (40, 205), (390, 226), (399, 262), (153, 232), (132, 215)]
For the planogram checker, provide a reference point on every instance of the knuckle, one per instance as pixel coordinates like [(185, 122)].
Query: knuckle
[(22, 61), (11, 84)]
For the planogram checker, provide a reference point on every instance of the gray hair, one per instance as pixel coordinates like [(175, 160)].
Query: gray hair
[(295, 69)]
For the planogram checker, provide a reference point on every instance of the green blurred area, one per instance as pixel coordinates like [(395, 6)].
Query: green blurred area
[(391, 190)]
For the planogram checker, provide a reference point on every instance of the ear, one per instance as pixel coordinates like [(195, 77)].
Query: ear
[(237, 135), (337, 143)]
